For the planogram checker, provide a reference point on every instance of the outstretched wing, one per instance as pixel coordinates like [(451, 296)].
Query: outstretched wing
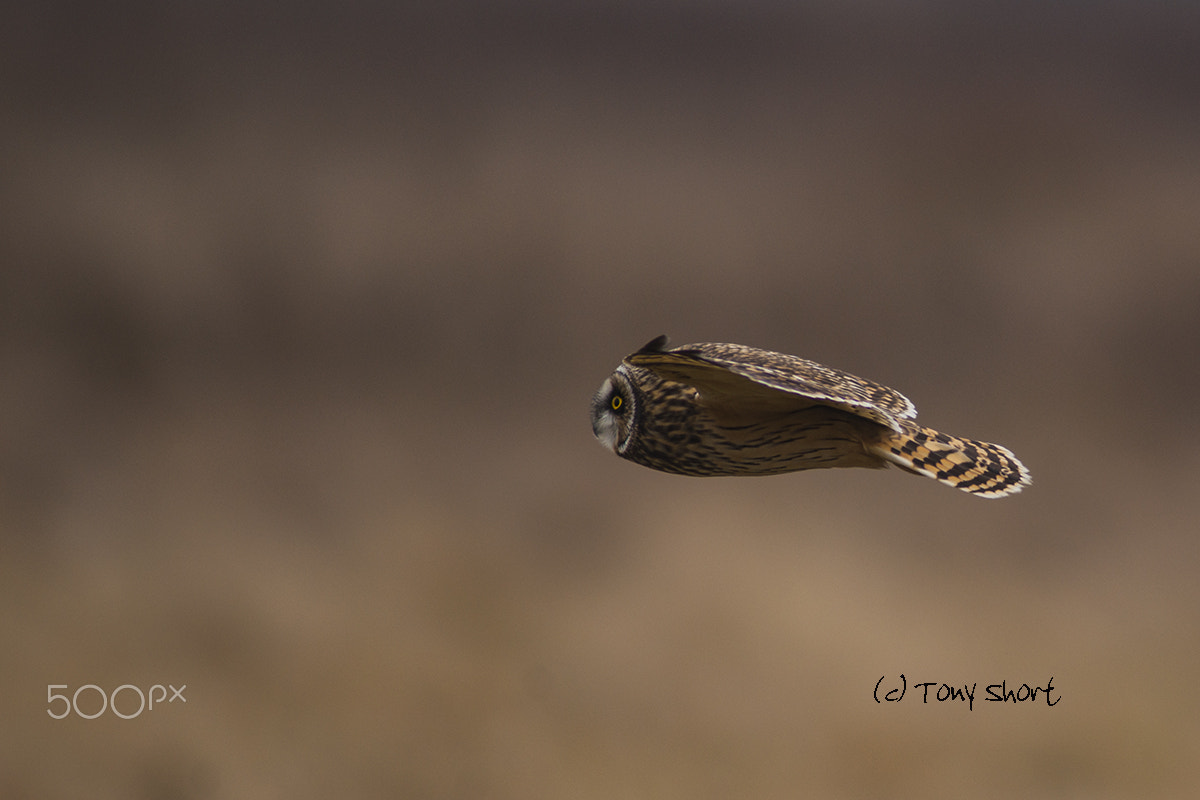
[(724, 373)]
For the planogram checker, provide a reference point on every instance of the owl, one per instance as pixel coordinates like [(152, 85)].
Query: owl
[(727, 409)]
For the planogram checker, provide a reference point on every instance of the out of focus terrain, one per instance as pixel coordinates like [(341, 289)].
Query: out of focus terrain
[(300, 314)]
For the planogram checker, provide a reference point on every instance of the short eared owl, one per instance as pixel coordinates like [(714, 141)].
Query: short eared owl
[(727, 409)]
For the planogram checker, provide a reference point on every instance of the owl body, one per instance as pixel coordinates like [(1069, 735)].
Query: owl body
[(726, 409)]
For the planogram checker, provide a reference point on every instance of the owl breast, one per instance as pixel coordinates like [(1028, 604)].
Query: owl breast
[(676, 431)]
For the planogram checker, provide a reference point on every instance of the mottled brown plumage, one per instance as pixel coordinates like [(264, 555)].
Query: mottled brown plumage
[(727, 409)]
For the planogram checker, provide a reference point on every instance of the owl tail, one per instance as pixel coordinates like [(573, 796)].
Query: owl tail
[(984, 470)]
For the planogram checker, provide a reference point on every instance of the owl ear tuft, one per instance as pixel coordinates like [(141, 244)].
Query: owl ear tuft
[(656, 345)]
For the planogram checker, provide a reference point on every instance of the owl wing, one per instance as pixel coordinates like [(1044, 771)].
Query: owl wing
[(725, 373)]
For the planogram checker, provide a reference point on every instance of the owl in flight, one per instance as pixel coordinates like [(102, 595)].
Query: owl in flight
[(728, 409)]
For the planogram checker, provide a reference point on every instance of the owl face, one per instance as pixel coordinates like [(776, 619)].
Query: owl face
[(614, 410), (652, 422)]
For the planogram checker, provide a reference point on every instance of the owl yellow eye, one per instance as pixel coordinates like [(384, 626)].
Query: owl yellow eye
[(617, 402)]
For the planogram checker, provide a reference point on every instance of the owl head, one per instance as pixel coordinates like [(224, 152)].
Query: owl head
[(615, 410)]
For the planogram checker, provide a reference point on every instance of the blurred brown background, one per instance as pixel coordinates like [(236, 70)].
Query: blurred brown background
[(301, 310)]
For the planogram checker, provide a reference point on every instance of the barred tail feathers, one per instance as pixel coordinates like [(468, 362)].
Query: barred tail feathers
[(983, 469)]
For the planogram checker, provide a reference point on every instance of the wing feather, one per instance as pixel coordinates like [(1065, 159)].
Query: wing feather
[(723, 373)]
